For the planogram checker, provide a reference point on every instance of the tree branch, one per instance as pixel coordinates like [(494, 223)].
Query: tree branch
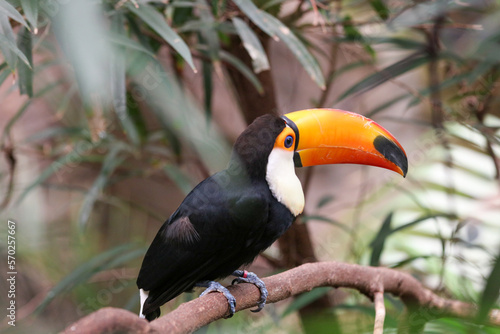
[(423, 304)]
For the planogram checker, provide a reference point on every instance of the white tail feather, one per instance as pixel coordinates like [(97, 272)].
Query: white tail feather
[(144, 295)]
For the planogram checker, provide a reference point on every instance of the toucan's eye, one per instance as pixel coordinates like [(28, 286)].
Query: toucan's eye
[(288, 141)]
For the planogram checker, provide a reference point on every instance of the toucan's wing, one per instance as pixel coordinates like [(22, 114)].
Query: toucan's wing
[(202, 240)]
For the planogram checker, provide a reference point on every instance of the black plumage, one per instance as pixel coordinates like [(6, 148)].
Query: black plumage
[(222, 224)]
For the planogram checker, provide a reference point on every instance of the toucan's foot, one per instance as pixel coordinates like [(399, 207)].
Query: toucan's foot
[(243, 276), (215, 286)]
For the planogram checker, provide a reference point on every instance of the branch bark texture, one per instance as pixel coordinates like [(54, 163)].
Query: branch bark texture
[(423, 304)]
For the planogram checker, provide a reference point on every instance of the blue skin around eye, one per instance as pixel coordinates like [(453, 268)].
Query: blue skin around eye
[(288, 141)]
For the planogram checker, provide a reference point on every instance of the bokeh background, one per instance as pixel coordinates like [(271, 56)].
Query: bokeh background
[(113, 110)]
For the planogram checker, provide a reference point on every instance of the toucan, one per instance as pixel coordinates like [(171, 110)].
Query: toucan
[(232, 216)]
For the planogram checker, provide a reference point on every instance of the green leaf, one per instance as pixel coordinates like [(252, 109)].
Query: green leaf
[(157, 22), (107, 260), (305, 299), (7, 9), (252, 44), (445, 189), (352, 33), (377, 244), (30, 9), (410, 260), (421, 219), (298, 49), (380, 8), (118, 84), (399, 42), (25, 71), (208, 33), (385, 231), (207, 69), (407, 64), (257, 17), (111, 161), (134, 113), (240, 66), (491, 291), (7, 42)]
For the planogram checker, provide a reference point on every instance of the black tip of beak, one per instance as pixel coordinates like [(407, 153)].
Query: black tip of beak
[(392, 152)]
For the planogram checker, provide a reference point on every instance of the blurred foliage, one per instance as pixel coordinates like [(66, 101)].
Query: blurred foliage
[(114, 76)]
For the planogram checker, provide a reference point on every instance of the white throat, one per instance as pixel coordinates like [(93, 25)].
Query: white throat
[(283, 182)]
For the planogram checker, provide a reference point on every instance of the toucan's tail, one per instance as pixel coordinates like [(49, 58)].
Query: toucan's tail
[(151, 315)]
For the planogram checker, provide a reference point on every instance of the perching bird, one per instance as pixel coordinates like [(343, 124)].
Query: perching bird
[(230, 217)]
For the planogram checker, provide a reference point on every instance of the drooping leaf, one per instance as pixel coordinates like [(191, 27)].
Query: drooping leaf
[(352, 34), (392, 71), (24, 71), (81, 32), (166, 99), (491, 291), (409, 260), (422, 219), (386, 230), (30, 9), (277, 30), (257, 17), (157, 22), (8, 45), (399, 42), (243, 69), (209, 34), (378, 242), (446, 189), (207, 69), (134, 113), (9, 10), (118, 84), (252, 44), (380, 8), (111, 161), (298, 49)]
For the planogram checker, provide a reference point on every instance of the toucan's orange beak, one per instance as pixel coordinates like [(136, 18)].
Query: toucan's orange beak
[(330, 136)]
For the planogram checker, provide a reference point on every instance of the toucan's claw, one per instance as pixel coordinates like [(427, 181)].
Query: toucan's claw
[(217, 287), (243, 276)]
